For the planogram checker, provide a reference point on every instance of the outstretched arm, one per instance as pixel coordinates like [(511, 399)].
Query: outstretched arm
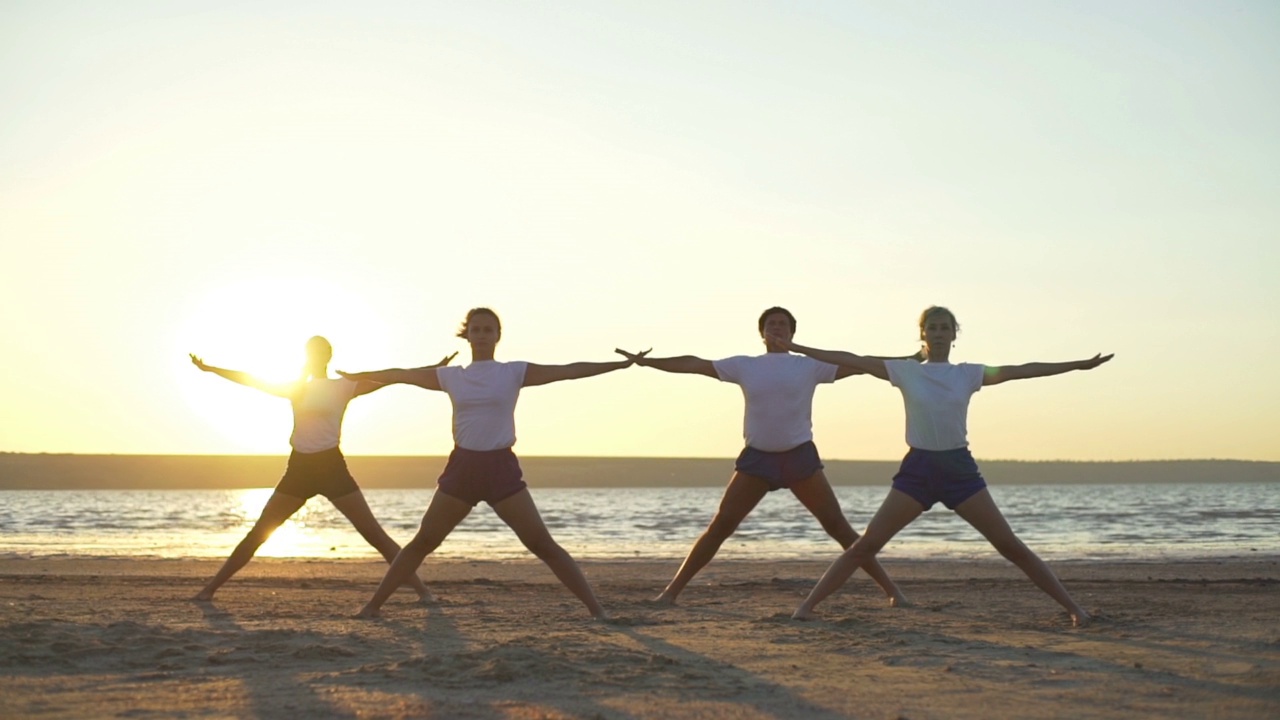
[(366, 386), (1004, 373), (682, 364), (535, 374), (845, 371), (873, 366), (424, 377), (278, 389)]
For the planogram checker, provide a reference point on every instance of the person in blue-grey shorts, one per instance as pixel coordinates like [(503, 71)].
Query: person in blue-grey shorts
[(778, 389), (938, 466)]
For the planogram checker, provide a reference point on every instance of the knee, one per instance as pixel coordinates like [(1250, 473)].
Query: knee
[(1013, 550), (721, 527), (422, 543), (837, 527), (543, 548)]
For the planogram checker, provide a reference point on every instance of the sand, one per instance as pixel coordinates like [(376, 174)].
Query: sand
[(87, 638)]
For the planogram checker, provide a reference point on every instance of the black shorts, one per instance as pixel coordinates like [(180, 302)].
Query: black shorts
[(320, 473)]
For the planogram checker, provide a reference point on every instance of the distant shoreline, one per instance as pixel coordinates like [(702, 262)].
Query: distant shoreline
[(50, 471)]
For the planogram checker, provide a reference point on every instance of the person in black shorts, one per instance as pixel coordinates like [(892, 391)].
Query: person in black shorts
[(316, 465)]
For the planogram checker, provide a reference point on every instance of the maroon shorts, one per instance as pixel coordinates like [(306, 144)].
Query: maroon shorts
[(320, 473), (473, 476)]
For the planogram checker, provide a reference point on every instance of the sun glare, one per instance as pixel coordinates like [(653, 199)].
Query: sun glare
[(260, 326), (292, 539)]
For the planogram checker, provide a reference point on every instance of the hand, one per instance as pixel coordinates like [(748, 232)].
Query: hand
[(348, 376), (447, 359), (779, 341), (198, 362), (633, 358), (1095, 361)]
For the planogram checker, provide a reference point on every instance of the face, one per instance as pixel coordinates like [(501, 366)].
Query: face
[(318, 352), (482, 330), (777, 324), (938, 331)]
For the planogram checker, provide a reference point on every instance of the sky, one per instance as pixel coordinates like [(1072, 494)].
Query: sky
[(231, 178)]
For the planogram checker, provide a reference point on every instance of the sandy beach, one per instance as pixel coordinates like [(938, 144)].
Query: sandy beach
[(88, 638)]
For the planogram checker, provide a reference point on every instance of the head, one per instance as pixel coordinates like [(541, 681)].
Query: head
[(482, 325), (319, 353), (776, 318), (938, 327)]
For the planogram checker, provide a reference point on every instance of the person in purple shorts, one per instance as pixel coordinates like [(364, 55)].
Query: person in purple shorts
[(938, 466), (482, 467), (778, 391), (316, 465)]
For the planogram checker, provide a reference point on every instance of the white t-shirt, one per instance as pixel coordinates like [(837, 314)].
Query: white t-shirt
[(317, 414), (936, 396), (484, 398), (778, 388)]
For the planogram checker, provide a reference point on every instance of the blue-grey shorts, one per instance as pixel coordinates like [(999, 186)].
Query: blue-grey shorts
[(946, 476), (319, 473), (780, 469), (473, 476)]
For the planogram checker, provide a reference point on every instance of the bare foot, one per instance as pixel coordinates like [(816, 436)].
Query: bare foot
[(1080, 618), (368, 614), (427, 599), (202, 596), (801, 615), (898, 600), (664, 600)]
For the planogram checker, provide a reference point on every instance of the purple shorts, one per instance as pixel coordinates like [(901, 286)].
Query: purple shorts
[(473, 476), (946, 476), (780, 469), (320, 473)]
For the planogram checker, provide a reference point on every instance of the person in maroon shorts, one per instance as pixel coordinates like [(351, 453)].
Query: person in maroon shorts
[(482, 466)]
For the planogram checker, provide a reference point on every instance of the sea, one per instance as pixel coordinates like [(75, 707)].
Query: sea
[(1138, 522)]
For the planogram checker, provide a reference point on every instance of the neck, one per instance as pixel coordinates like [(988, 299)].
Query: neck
[(939, 355), (479, 355)]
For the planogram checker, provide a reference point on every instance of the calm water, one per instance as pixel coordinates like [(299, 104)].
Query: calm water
[(1136, 522)]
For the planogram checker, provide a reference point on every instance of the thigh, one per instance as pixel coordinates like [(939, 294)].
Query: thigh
[(280, 507), (442, 516), (981, 512), (815, 493), (356, 509), (741, 496), (896, 512), (521, 515)]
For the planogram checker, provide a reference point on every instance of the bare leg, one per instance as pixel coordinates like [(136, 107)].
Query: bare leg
[(442, 516), (896, 512), (740, 498), (815, 494), (981, 512), (521, 515), (356, 509), (279, 507)]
